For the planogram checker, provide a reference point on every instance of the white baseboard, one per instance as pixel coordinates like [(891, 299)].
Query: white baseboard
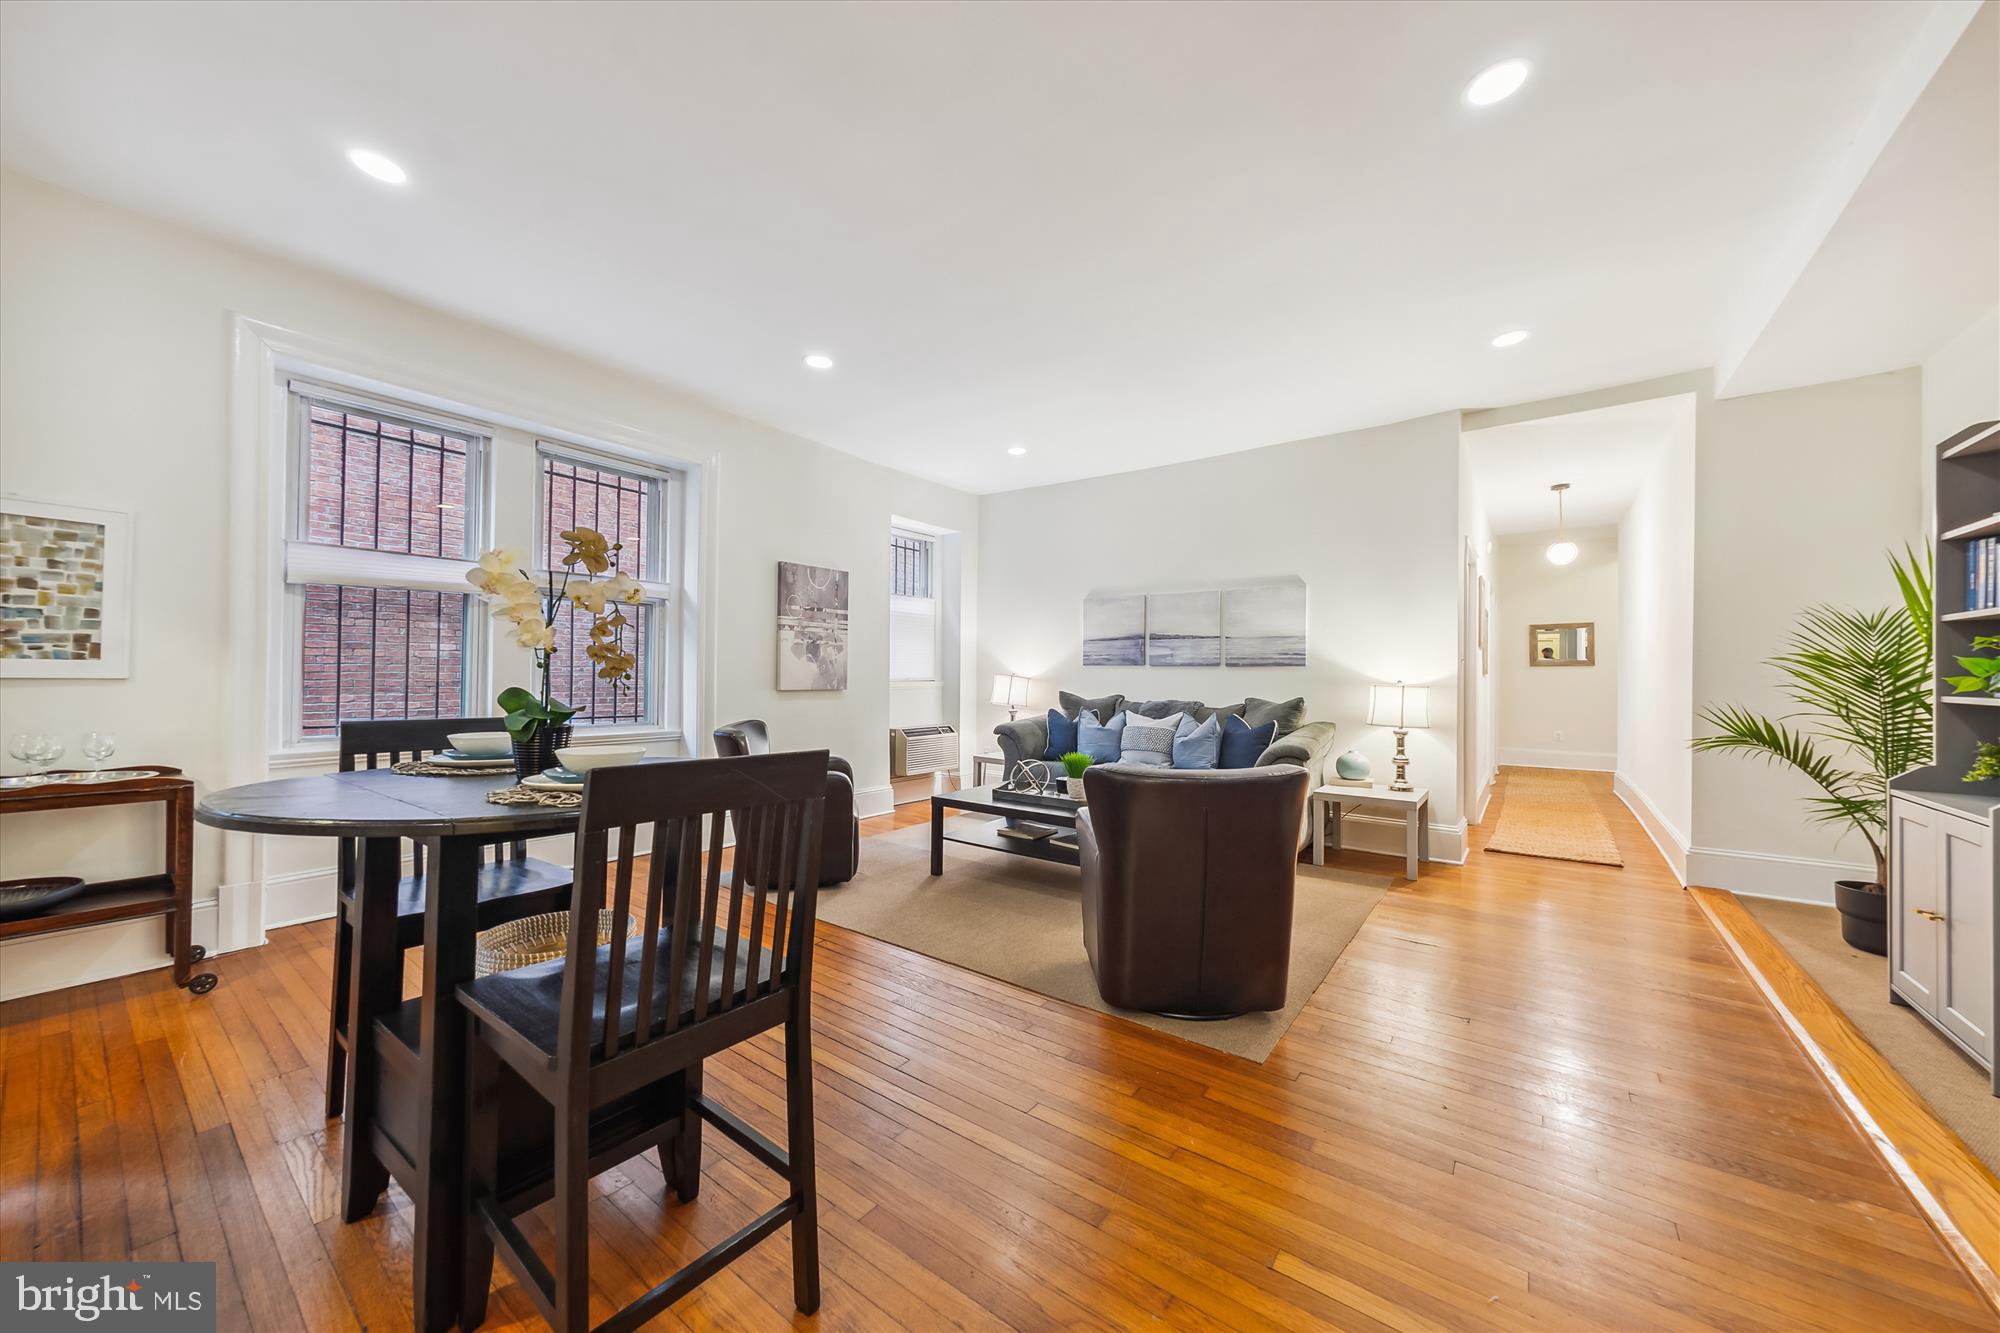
[(871, 801), (1673, 844), (1798, 879), (78, 957), (1588, 761), (1385, 834)]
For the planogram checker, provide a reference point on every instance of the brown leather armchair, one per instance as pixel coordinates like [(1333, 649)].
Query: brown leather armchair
[(840, 850), (1187, 886)]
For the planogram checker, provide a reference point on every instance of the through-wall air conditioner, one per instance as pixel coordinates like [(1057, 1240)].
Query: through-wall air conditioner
[(918, 750)]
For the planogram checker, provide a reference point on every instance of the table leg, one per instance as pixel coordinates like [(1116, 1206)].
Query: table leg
[(937, 838), (180, 868), (374, 986), (451, 907), (1410, 828), (1319, 829), (1335, 812), (1423, 835)]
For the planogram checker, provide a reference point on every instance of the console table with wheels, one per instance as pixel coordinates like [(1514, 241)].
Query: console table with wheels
[(168, 894)]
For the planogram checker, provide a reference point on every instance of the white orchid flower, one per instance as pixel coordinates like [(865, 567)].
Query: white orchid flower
[(536, 635), (590, 595)]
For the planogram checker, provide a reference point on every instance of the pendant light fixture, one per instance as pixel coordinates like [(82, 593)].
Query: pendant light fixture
[(1562, 550)]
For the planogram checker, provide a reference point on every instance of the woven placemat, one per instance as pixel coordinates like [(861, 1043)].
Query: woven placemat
[(556, 800), (424, 768)]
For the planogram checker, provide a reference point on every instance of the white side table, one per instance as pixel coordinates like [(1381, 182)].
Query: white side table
[(979, 763), (1330, 804)]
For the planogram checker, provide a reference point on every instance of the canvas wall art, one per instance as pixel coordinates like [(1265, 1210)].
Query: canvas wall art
[(65, 590), (1264, 624), (1184, 629), (812, 627), (1114, 630)]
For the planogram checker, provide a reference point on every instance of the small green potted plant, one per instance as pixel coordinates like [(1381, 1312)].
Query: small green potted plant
[(1985, 671), (1074, 763)]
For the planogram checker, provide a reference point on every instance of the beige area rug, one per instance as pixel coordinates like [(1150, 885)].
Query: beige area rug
[(1552, 813), (1957, 1089), (1021, 921)]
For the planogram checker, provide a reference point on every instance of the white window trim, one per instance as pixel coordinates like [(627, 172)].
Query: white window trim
[(299, 562)]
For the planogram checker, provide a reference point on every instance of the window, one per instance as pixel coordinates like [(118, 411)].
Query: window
[(388, 504), (913, 608), (384, 522), (628, 506)]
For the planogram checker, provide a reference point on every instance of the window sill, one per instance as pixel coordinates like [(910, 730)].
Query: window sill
[(327, 756), (914, 684)]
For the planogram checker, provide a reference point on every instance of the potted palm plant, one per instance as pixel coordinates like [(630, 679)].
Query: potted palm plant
[(1862, 681)]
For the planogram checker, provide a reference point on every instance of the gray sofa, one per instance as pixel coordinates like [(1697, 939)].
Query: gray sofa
[(1308, 744)]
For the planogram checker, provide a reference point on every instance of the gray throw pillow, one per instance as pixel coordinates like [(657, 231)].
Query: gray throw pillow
[(1289, 715), (1162, 707), (1148, 741), (1203, 712), (1075, 705)]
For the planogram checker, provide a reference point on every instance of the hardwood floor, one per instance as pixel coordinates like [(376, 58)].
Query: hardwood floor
[(1531, 1094)]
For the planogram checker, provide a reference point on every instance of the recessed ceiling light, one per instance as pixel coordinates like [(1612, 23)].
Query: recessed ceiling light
[(378, 166), (1510, 339), (1017, 451), (819, 361), (1497, 83)]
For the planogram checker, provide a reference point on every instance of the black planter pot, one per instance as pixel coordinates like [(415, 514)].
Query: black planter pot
[(538, 752), (1864, 914)]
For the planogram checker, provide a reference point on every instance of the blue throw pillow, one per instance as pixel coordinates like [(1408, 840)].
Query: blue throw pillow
[(1198, 744), (1243, 743), (1102, 741), (1062, 735)]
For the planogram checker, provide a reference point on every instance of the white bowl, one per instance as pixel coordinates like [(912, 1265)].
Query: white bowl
[(482, 743), (578, 759)]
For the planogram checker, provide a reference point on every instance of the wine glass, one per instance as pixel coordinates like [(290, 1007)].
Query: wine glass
[(99, 746), (47, 749), (22, 746)]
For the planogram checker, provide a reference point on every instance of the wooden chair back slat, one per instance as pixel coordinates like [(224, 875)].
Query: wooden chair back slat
[(385, 742), (772, 801)]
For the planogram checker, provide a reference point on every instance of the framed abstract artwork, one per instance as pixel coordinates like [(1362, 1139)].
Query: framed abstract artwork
[(1114, 630), (1184, 629), (65, 590), (812, 627)]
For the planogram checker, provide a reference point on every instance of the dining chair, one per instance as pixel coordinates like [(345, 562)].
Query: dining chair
[(512, 885), (612, 1037), (840, 854)]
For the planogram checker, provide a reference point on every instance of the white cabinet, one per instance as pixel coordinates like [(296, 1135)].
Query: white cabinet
[(1941, 919)]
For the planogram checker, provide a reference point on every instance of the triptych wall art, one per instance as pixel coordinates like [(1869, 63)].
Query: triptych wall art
[(1253, 625)]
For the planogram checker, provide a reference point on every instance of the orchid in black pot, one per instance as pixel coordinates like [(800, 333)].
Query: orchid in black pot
[(539, 722)]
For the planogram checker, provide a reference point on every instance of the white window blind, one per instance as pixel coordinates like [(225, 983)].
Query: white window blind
[(913, 610)]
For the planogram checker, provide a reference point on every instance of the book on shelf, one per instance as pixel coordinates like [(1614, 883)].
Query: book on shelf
[(1066, 841), (1982, 574), (1025, 832)]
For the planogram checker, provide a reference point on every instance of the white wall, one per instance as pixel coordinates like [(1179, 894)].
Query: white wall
[(115, 350), (1369, 520), (1556, 717), (1478, 762), (1799, 495), (1656, 660), (1961, 385)]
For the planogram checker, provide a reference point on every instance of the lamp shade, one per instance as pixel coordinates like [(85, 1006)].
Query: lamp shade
[(1010, 691), (1400, 706)]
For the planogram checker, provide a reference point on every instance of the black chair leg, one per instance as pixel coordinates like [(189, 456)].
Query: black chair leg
[(799, 1146), (571, 1218), (482, 1170), (684, 1157), (336, 1019)]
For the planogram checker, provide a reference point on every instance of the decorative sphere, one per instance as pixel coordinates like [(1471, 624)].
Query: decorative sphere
[(1352, 764)]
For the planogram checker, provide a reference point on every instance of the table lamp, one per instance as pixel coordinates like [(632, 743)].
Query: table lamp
[(1400, 707), (1010, 692)]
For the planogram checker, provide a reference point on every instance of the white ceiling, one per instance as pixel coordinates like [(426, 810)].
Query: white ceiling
[(1914, 255), (1117, 234), (1605, 455)]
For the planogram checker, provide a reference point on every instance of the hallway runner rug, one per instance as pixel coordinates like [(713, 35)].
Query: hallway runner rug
[(1552, 813)]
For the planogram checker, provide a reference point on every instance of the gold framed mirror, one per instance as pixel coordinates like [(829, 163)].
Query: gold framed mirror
[(1571, 643)]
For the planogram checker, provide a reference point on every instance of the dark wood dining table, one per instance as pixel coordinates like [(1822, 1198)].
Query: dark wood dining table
[(419, 1145)]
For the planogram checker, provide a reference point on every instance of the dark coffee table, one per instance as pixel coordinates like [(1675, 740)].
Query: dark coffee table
[(986, 832)]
